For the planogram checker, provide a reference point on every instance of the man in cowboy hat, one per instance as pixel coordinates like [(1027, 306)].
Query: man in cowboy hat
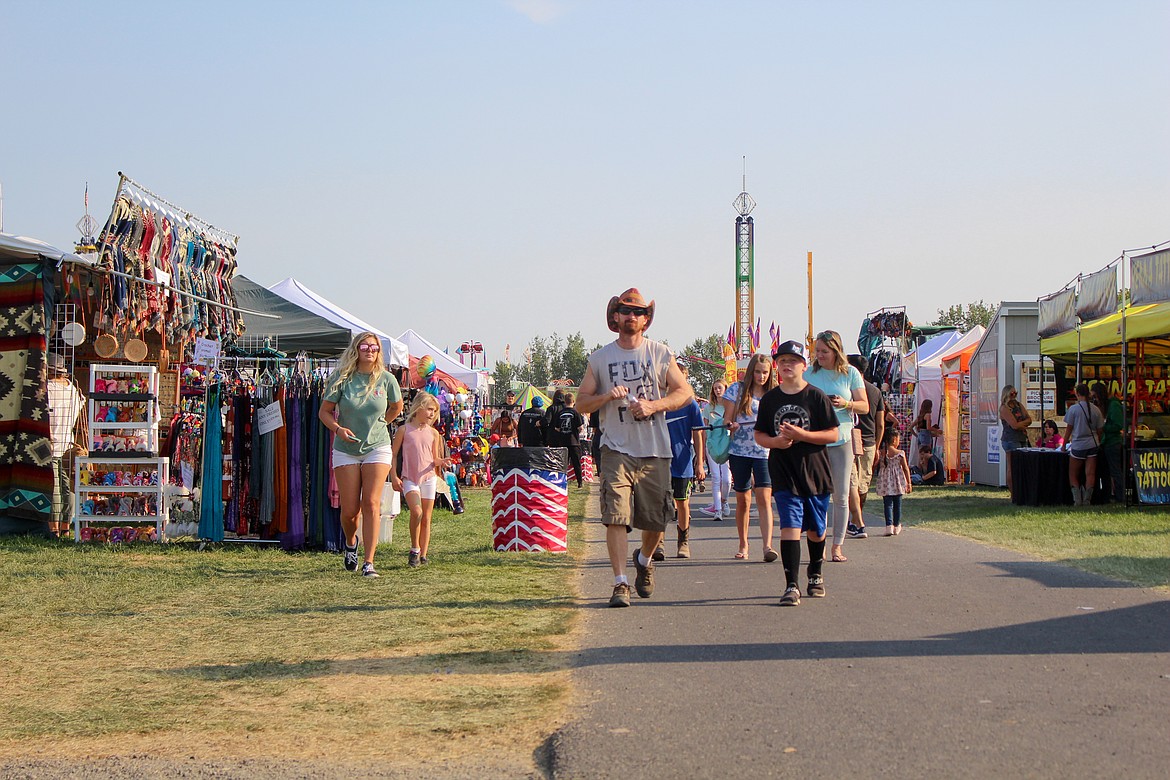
[(633, 382)]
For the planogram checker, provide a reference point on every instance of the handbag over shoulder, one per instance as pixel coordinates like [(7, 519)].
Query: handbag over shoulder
[(718, 439)]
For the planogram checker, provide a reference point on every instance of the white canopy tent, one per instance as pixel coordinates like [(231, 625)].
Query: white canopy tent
[(476, 380), (929, 357), (394, 352), (23, 246)]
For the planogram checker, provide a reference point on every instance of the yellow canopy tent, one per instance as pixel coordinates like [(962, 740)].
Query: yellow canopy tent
[(1103, 337), (529, 393)]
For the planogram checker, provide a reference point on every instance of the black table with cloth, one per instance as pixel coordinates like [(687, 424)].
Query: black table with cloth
[(1040, 478)]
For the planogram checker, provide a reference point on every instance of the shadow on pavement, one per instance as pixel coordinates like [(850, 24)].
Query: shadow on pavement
[(1139, 629)]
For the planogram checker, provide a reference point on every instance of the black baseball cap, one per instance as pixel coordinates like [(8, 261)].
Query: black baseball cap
[(791, 348)]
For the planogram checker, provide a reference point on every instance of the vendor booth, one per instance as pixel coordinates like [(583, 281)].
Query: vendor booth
[(932, 386), (901, 358), (28, 298), (1006, 354), (1090, 338), (922, 369), (956, 372), (135, 353)]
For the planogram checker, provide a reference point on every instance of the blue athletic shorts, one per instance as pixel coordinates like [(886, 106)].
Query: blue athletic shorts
[(808, 514)]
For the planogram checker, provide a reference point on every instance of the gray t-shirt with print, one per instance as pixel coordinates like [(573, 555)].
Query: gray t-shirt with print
[(643, 371)]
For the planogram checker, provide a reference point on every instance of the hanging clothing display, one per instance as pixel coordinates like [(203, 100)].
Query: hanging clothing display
[(294, 536), (885, 369), (211, 503), (154, 245), (277, 485)]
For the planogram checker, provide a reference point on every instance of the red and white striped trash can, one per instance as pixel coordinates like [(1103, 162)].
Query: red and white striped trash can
[(587, 472), (530, 499)]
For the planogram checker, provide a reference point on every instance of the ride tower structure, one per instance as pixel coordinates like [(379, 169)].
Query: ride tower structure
[(745, 273)]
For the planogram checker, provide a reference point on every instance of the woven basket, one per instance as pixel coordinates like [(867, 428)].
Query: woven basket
[(135, 350), (105, 345)]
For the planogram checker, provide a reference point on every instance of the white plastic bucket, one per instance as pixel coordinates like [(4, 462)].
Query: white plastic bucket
[(391, 506)]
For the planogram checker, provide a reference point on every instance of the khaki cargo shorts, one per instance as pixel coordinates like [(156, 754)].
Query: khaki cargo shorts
[(635, 492), (863, 470)]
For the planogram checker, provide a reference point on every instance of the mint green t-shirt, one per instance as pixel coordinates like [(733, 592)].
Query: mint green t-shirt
[(363, 414)]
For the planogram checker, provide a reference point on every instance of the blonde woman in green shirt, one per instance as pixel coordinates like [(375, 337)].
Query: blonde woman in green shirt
[(361, 399)]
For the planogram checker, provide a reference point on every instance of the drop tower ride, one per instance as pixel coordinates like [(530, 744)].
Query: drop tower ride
[(745, 272)]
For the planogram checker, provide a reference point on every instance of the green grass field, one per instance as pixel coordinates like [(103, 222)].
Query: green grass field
[(239, 650), (1131, 544)]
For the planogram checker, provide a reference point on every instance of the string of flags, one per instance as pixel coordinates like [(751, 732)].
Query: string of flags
[(756, 335)]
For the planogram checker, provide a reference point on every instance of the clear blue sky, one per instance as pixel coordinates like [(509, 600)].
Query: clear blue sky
[(496, 170)]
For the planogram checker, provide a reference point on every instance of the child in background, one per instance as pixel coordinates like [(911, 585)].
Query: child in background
[(720, 472), (419, 448), (893, 481)]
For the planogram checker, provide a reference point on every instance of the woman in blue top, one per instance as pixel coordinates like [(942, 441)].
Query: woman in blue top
[(832, 374), (748, 460)]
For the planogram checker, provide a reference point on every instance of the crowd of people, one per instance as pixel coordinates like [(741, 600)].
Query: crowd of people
[(1094, 422), (804, 440), (808, 439)]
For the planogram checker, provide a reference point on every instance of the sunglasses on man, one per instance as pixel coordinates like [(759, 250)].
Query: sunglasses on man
[(634, 311)]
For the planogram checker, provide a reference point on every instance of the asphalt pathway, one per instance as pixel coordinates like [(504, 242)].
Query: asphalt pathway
[(932, 656)]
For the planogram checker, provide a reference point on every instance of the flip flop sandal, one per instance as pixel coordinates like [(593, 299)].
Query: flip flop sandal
[(839, 558), (770, 555), (739, 556)]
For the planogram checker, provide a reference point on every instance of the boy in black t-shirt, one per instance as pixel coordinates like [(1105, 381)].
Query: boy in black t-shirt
[(795, 422)]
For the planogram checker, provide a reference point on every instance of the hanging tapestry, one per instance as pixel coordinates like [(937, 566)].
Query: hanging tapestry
[(26, 452)]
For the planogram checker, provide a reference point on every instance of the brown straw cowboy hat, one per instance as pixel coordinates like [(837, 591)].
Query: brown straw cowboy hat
[(630, 297)]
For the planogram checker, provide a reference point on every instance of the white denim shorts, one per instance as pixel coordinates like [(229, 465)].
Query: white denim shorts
[(425, 489), (383, 454)]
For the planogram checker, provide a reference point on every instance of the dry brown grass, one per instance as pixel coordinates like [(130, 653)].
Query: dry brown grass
[(234, 653)]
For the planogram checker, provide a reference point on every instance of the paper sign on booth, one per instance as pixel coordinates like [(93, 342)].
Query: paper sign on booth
[(205, 353), (268, 418), (1032, 399)]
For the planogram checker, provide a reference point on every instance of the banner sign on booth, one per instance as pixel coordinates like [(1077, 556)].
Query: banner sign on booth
[(987, 386), (993, 448), (205, 353), (1151, 476), (1149, 278), (1098, 295), (1057, 314)]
